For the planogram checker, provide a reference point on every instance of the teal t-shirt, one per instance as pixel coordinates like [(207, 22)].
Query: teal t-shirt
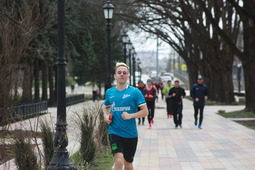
[(127, 100)]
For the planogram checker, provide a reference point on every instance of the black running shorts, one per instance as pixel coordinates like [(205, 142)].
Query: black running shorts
[(127, 146)]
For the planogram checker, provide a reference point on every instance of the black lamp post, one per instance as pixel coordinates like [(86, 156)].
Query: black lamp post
[(60, 159), (124, 37), (108, 13), (139, 68), (239, 67), (134, 65), (129, 49)]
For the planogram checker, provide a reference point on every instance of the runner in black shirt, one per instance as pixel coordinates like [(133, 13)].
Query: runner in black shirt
[(177, 93)]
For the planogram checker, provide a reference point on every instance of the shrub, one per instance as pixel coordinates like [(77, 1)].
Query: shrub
[(88, 144), (93, 136), (221, 111), (47, 139), (102, 130), (25, 157)]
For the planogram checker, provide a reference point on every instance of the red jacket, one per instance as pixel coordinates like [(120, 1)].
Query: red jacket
[(152, 92)]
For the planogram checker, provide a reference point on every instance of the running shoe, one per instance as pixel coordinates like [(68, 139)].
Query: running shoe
[(149, 127), (199, 127), (195, 122)]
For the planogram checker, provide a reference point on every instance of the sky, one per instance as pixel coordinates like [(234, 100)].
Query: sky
[(144, 42)]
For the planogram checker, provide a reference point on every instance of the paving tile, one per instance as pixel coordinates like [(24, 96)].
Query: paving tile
[(191, 148)]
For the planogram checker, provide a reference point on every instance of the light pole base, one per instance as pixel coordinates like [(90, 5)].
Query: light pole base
[(61, 161)]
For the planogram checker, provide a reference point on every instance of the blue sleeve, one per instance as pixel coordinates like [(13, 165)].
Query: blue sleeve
[(107, 101), (206, 90), (192, 92), (140, 98)]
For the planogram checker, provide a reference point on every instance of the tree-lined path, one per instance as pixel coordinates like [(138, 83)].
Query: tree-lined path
[(221, 144)]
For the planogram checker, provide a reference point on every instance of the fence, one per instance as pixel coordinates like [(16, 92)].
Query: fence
[(24, 110), (75, 99)]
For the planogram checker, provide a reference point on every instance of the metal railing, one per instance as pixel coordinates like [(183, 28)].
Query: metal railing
[(23, 111), (75, 99)]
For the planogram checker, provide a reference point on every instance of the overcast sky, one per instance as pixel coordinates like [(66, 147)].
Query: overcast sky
[(144, 42)]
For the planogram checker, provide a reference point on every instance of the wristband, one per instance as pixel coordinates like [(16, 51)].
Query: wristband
[(110, 116)]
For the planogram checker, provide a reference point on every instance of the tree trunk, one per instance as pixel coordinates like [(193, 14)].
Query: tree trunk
[(27, 85), (249, 78), (227, 92), (221, 86), (36, 81), (4, 94), (193, 73), (249, 59), (15, 88), (44, 81)]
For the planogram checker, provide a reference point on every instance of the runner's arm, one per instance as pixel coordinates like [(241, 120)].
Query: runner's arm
[(106, 112), (142, 113), (192, 92)]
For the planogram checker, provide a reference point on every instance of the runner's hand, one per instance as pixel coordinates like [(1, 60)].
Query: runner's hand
[(108, 121), (106, 118), (126, 116)]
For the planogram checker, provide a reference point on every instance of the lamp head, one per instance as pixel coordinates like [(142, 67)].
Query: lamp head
[(108, 10)]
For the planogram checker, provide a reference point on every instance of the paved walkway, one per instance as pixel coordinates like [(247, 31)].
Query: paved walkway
[(221, 144)]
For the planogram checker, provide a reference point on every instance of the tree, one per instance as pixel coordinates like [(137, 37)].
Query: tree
[(182, 24), (246, 54), (86, 40), (21, 22)]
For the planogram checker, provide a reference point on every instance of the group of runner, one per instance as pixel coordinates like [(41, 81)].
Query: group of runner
[(173, 96)]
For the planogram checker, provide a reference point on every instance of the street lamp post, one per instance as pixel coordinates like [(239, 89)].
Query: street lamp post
[(239, 67), (139, 68), (108, 13), (60, 159), (129, 48), (124, 37), (134, 65)]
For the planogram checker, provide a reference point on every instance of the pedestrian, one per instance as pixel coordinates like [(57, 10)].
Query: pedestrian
[(72, 88), (95, 91), (199, 94), (166, 89), (156, 86), (161, 87), (122, 102), (150, 95), (141, 87), (177, 93)]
